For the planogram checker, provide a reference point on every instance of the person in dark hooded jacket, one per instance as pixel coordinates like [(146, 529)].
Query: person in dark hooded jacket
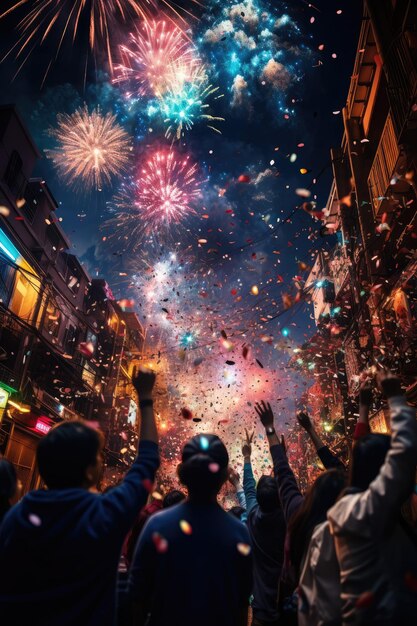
[(60, 547), (266, 524)]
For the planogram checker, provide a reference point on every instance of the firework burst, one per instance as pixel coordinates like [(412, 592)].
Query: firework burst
[(153, 51), (67, 20), (185, 101), (168, 186), (92, 149)]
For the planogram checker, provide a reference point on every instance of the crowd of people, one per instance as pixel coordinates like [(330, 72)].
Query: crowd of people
[(342, 553)]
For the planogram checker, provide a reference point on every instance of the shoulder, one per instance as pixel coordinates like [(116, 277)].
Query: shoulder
[(346, 513)]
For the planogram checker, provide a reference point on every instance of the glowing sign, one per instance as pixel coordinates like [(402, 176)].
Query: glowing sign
[(4, 396), (42, 427)]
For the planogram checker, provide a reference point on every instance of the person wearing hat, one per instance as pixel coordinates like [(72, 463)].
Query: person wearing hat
[(193, 562)]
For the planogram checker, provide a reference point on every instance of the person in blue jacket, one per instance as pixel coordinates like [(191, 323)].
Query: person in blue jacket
[(60, 546)]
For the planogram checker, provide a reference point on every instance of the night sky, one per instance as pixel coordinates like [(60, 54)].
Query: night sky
[(283, 70)]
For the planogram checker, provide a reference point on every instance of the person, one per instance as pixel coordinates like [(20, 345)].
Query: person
[(377, 555), (193, 562), (10, 487), (266, 524), (292, 500), (60, 547), (313, 550)]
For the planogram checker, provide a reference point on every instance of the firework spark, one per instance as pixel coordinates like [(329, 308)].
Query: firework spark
[(92, 148), (67, 20), (154, 51), (168, 186), (184, 102)]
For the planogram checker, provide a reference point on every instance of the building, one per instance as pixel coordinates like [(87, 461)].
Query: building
[(63, 340), (364, 290)]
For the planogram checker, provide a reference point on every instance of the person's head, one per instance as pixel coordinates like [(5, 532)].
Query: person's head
[(204, 467), (368, 456), (267, 494), (237, 511), (321, 496), (70, 455), (9, 486), (172, 497)]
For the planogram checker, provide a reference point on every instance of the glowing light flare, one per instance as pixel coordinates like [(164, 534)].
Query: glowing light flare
[(168, 186), (156, 51), (92, 148)]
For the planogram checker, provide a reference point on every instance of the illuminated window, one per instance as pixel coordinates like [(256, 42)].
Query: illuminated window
[(26, 292)]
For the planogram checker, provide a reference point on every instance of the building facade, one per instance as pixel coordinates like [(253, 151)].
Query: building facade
[(364, 291)]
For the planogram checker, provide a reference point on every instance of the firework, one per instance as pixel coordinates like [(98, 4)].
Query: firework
[(167, 188), (148, 61), (92, 148), (184, 102), (67, 20)]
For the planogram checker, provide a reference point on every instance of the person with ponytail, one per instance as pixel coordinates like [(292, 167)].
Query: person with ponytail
[(193, 562)]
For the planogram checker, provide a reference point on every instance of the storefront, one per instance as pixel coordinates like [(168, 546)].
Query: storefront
[(27, 429)]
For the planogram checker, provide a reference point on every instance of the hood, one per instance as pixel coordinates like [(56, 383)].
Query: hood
[(43, 515)]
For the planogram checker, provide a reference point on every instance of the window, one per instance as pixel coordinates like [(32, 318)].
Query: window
[(14, 176), (26, 292), (52, 320), (70, 339), (7, 274)]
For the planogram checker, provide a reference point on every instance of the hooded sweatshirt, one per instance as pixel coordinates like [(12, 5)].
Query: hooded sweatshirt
[(59, 550)]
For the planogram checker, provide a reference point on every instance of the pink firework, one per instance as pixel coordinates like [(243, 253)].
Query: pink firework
[(167, 187), (154, 51)]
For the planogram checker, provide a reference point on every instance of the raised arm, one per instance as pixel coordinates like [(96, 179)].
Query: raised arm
[(234, 480), (249, 484), (121, 505), (379, 503), (289, 492), (325, 455), (365, 401)]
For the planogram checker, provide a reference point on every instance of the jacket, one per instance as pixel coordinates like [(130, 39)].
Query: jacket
[(267, 532), (319, 587), (59, 550), (291, 496), (377, 557)]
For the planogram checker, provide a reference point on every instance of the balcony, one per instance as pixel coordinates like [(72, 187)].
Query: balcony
[(401, 69), (9, 379), (383, 167)]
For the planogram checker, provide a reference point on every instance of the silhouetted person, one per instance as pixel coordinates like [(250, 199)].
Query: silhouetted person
[(192, 564), (60, 547)]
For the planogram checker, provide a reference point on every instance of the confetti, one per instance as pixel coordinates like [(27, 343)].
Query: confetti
[(160, 543), (244, 549), (186, 527)]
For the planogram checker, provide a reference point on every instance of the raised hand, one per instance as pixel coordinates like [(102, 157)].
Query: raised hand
[(265, 413), (388, 383), (304, 420), (247, 444), (144, 382)]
